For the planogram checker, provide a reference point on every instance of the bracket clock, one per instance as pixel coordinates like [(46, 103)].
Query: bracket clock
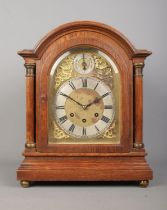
[(84, 107)]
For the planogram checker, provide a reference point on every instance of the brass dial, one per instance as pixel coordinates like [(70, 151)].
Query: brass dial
[(77, 111), (84, 107)]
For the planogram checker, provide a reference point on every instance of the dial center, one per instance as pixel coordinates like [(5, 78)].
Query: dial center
[(84, 116)]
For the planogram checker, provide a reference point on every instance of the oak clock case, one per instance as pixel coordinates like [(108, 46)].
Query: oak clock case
[(84, 107)]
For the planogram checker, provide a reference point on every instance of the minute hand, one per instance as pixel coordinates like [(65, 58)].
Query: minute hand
[(72, 99)]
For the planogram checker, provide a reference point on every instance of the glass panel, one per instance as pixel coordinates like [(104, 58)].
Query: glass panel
[(84, 99)]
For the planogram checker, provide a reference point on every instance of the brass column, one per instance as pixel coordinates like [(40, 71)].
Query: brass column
[(138, 106), (30, 105)]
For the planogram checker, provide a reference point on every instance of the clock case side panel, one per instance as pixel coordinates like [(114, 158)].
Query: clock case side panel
[(112, 49)]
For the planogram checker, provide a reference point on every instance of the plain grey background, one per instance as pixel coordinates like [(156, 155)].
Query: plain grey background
[(22, 24)]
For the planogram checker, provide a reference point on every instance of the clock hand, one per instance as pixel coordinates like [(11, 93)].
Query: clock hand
[(96, 100), (63, 94)]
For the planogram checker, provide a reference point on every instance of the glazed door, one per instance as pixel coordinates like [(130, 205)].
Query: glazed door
[(63, 70)]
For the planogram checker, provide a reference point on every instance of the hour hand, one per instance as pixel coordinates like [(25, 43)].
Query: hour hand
[(96, 100)]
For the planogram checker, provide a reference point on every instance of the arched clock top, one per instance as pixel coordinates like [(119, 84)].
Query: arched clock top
[(81, 26)]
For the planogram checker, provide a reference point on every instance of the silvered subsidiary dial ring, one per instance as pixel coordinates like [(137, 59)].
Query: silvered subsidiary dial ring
[(84, 107), (83, 63)]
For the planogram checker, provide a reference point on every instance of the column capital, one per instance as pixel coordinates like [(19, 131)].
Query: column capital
[(30, 69), (138, 69)]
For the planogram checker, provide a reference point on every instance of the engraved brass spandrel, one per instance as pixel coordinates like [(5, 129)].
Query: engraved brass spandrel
[(64, 71), (57, 132), (103, 70), (110, 132)]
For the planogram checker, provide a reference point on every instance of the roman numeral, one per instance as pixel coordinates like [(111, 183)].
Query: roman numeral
[(63, 119), (106, 94), (71, 128), (105, 119), (84, 82), (84, 131), (97, 129), (96, 86), (59, 107), (72, 85), (108, 107)]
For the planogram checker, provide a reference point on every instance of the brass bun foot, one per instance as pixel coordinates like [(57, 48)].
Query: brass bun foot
[(25, 184), (144, 183)]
